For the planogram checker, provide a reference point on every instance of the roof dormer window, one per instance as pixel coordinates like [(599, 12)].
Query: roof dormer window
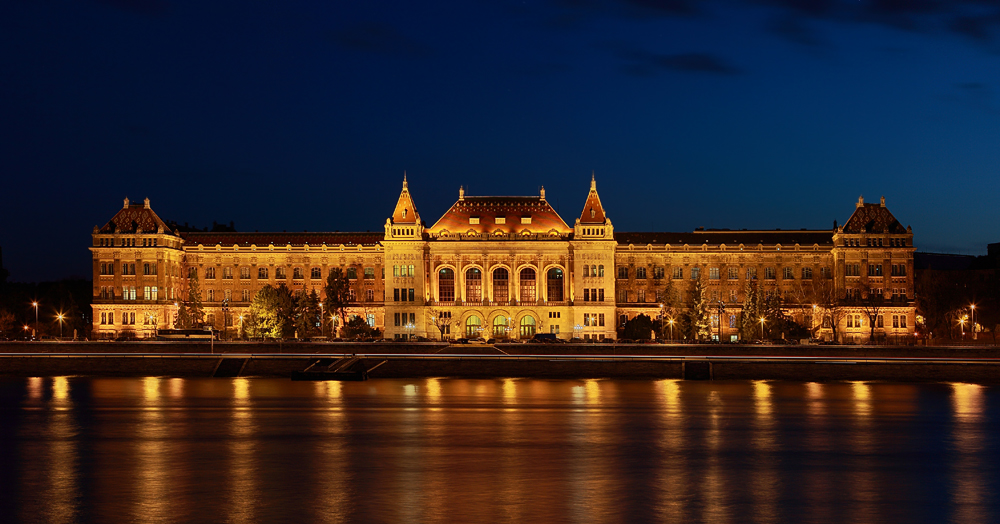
[(473, 220), (592, 213), (526, 220), (404, 212), (501, 220)]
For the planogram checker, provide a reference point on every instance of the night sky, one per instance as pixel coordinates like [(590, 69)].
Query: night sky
[(304, 115)]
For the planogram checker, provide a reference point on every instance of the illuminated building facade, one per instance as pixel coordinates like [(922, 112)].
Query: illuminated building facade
[(510, 267)]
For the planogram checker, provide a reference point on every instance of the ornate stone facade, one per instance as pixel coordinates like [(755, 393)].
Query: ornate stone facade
[(510, 267)]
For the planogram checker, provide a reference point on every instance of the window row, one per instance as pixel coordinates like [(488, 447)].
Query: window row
[(593, 295), (593, 319), (398, 271), (280, 272), (403, 295), (593, 270), (527, 290)]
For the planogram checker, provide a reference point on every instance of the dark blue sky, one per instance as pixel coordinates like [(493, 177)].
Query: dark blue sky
[(304, 115)]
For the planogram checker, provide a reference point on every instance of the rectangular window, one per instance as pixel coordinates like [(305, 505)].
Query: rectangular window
[(413, 319), (902, 321), (395, 270), (640, 272), (209, 273), (396, 319), (825, 272), (751, 273), (411, 294), (600, 295), (370, 295), (146, 293), (315, 273), (526, 220), (352, 273), (500, 220), (297, 273), (874, 270), (395, 294), (246, 295), (600, 319), (245, 272), (787, 273), (586, 270), (852, 270), (473, 220), (369, 273), (734, 273), (411, 272), (678, 273), (713, 273), (732, 296), (351, 296), (262, 272), (279, 273), (695, 273), (227, 273), (769, 273), (641, 296), (622, 272), (658, 272), (622, 296), (807, 273), (586, 295), (879, 321), (211, 295)]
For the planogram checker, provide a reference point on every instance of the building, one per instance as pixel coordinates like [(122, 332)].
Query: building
[(511, 267)]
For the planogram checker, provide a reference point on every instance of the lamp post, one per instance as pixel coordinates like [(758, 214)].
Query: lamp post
[(34, 333), (671, 322), (60, 317), (26, 329), (972, 308), (762, 328), (722, 311), (241, 325), (961, 322), (322, 325), (225, 317)]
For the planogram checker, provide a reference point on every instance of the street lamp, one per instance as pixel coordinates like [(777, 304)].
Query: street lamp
[(322, 325), (26, 328), (241, 325), (34, 333), (961, 322), (762, 320), (671, 322), (60, 317), (973, 320)]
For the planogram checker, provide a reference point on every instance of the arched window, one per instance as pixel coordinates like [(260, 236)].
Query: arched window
[(473, 327), (600, 270), (446, 285), (473, 285), (527, 327), (501, 285), (528, 293), (555, 284), (500, 327)]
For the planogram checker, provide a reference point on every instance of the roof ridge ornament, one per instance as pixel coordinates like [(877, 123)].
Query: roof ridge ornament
[(461, 193), (404, 180), (126, 202), (593, 181), (861, 200), (542, 194)]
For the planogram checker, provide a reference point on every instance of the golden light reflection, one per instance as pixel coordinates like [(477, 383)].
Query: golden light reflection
[(672, 478), (862, 398), (593, 391), (592, 485), (151, 462), (433, 390), (60, 388), (176, 387), (967, 489), (241, 390), (242, 497), (62, 483), (35, 388), (816, 393), (765, 479), (329, 389), (717, 508), (509, 389), (862, 484)]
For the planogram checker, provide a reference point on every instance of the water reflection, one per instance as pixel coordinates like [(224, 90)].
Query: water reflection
[(967, 485), (444, 450)]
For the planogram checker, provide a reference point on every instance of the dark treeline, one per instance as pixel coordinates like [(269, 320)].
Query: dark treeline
[(70, 298)]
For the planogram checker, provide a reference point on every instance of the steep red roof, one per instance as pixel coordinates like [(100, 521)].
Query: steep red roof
[(486, 210), (593, 211), (873, 218), (283, 239), (135, 218)]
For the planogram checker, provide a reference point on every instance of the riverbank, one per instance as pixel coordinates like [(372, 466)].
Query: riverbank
[(824, 363)]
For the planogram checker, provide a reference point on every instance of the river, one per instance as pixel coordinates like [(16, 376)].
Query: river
[(453, 450)]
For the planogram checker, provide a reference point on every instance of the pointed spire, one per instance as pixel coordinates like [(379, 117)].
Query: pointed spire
[(406, 212), (593, 211)]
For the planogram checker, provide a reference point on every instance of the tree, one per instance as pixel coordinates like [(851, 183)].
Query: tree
[(441, 320), (307, 314), (337, 291), (195, 309), (8, 323), (357, 327), (183, 318), (670, 302), (639, 328), (872, 305), (752, 311), (699, 316)]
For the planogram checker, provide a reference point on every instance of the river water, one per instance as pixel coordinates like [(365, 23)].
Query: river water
[(455, 450)]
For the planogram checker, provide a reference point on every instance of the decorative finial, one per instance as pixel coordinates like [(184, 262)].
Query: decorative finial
[(404, 179), (146, 203), (461, 193), (883, 201), (542, 193), (861, 200), (126, 201), (593, 182)]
